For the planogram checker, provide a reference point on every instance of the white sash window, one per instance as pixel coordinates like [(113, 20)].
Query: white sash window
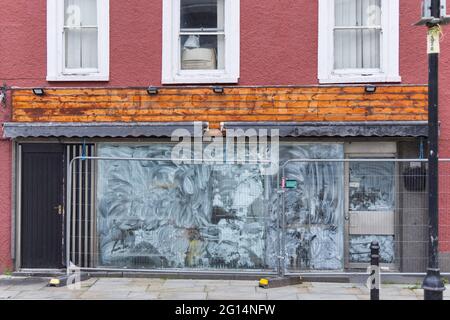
[(358, 41), (200, 41), (78, 40)]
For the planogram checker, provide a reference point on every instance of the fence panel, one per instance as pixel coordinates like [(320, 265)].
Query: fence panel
[(156, 214), (333, 209), (315, 216)]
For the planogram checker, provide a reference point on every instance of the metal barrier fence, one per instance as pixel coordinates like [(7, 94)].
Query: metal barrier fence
[(155, 214), (316, 215)]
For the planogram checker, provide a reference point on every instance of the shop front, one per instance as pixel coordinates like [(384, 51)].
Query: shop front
[(126, 205), (99, 187)]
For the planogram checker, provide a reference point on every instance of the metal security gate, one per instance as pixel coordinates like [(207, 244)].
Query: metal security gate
[(81, 207), (315, 216)]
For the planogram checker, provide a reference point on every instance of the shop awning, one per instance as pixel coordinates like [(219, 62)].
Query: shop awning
[(336, 129), (92, 130)]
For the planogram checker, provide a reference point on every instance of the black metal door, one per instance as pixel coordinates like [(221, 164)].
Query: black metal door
[(42, 205)]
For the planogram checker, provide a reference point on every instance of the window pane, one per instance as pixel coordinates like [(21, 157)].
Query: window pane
[(81, 34), (81, 46), (80, 12), (371, 186), (196, 14), (349, 13), (162, 215), (356, 49), (360, 248), (202, 52)]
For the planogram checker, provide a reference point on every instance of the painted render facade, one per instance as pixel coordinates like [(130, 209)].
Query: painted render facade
[(278, 50)]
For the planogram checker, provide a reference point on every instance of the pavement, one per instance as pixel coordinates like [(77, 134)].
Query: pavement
[(25, 288)]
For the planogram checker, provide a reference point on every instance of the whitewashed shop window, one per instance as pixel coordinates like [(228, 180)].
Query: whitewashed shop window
[(371, 210), (200, 41), (358, 41), (77, 40)]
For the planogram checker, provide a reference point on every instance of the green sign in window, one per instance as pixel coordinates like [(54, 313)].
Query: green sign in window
[(291, 184)]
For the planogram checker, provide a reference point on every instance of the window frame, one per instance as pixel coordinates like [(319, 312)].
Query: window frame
[(389, 47), (171, 61), (56, 70)]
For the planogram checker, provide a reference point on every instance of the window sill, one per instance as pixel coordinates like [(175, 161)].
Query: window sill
[(96, 77), (359, 79), (200, 79)]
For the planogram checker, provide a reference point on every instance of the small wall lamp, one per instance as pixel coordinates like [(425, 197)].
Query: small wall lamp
[(152, 90), (370, 89), (218, 89), (38, 91)]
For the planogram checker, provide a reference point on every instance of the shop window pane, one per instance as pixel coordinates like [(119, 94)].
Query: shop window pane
[(164, 215), (360, 248), (157, 214), (314, 209), (371, 186)]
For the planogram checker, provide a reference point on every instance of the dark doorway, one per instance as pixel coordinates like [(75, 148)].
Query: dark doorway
[(42, 205)]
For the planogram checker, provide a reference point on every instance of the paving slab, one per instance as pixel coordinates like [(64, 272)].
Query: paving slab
[(335, 290), (142, 296), (182, 296), (48, 295), (22, 283), (119, 285), (105, 295), (8, 294), (114, 281), (396, 291), (177, 283), (246, 283), (215, 295), (398, 297), (329, 296), (232, 289), (331, 285), (210, 282), (281, 296), (181, 290), (282, 290), (89, 282)]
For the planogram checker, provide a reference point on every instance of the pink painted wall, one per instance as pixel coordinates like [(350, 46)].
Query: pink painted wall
[(5, 195), (278, 47), (278, 43), (5, 206)]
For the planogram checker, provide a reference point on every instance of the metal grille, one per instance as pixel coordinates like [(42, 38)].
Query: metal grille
[(81, 208)]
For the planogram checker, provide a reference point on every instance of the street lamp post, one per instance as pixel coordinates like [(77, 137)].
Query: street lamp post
[(432, 284)]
